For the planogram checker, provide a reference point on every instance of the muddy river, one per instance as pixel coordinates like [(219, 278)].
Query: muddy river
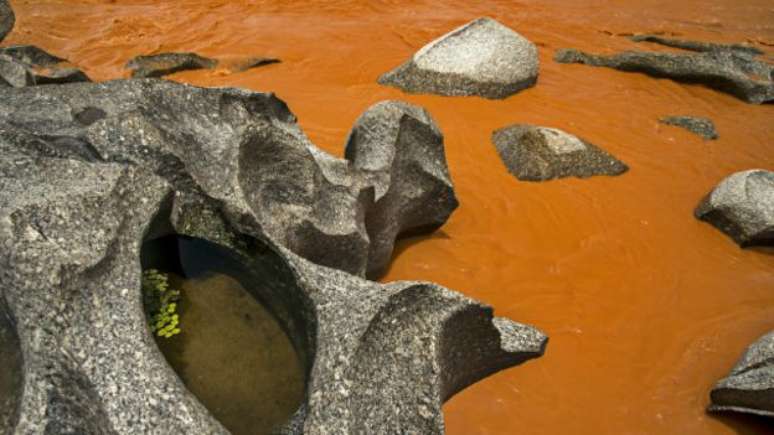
[(646, 307)]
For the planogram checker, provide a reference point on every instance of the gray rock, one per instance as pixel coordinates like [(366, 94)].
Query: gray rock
[(7, 19), (533, 153), (483, 58), (399, 149), (158, 65), (698, 45), (14, 74), (742, 206), (725, 70), (242, 156), (252, 62), (70, 233), (749, 387), (42, 67), (704, 127), (31, 55), (147, 158)]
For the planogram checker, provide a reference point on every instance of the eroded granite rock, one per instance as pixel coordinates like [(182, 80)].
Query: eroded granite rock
[(533, 153), (14, 74), (7, 19), (399, 149), (380, 358), (42, 67), (697, 45), (70, 234), (240, 158), (749, 387), (742, 206), (483, 58), (158, 65), (725, 70), (704, 127)]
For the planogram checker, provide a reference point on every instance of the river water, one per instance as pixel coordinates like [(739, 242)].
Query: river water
[(646, 307)]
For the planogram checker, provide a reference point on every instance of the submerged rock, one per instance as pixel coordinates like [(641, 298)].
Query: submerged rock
[(141, 159), (158, 65), (252, 62), (698, 45), (7, 19), (727, 71), (483, 58), (749, 387), (533, 153), (704, 127), (742, 206), (42, 67)]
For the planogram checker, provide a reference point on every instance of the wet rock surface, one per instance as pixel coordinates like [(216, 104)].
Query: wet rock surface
[(533, 153), (742, 206), (39, 67), (483, 58), (738, 74), (7, 19), (749, 388), (697, 45), (159, 65), (250, 63), (91, 171), (703, 127)]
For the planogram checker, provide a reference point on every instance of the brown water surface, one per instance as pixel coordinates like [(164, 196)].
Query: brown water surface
[(646, 306), (233, 355)]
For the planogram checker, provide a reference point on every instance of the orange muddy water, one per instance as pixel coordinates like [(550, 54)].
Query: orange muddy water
[(646, 307)]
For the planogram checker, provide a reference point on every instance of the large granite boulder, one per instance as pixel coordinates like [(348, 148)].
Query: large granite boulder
[(742, 206), (483, 58), (91, 172), (533, 153), (729, 71), (750, 385), (703, 127), (41, 67), (162, 64), (7, 19), (241, 157)]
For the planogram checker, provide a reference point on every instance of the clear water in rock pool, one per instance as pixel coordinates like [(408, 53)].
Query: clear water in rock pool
[(10, 374), (646, 307), (233, 355)]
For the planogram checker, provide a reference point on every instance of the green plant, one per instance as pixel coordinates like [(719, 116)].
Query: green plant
[(160, 303)]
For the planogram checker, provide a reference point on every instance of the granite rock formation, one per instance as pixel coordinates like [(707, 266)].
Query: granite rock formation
[(159, 65), (742, 206), (90, 172), (749, 387), (7, 19), (533, 153), (240, 158), (728, 71), (27, 65), (483, 58), (703, 127)]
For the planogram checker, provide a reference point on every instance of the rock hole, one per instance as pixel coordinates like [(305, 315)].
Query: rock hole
[(232, 352)]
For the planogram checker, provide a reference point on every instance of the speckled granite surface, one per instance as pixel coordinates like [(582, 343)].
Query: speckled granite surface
[(91, 171)]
